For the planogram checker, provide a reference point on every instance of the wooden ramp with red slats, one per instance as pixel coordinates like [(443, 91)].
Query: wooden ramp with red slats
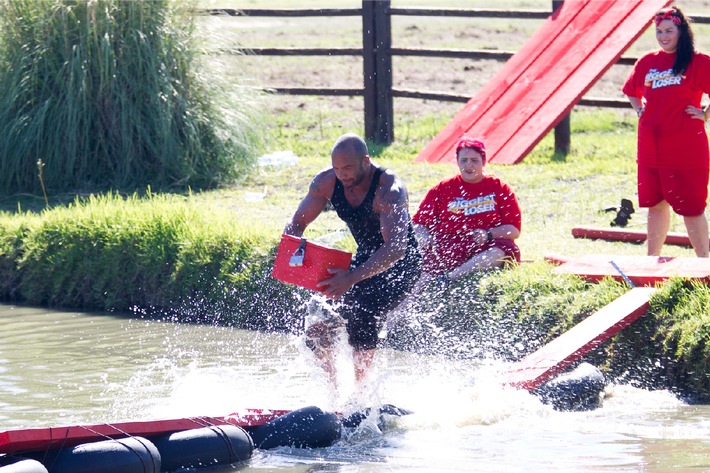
[(641, 270), (541, 83), (629, 236), (550, 360)]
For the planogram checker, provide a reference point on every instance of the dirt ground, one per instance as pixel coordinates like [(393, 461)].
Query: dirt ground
[(457, 76)]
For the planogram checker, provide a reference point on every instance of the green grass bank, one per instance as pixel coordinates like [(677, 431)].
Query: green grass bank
[(206, 257)]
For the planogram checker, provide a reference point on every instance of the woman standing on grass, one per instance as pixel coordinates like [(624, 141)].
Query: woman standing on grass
[(665, 88)]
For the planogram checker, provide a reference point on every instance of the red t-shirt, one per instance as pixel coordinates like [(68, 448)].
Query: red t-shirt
[(667, 136), (453, 209)]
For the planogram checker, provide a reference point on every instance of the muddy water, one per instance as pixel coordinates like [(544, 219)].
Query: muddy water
[(59, 368)]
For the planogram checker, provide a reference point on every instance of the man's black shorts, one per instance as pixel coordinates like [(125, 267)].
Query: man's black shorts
[(366, 304)]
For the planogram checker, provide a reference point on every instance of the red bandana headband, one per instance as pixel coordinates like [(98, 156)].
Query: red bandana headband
[(669, 14), (467, 141)]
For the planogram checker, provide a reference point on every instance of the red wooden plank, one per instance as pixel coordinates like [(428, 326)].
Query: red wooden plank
[(641, 270), (518, 66), (254, 417), (525, 101), (56, 437), (625, 235), (550, 360), (562, 84)]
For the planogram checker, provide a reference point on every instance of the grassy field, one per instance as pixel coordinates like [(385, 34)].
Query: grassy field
[(556, 193)]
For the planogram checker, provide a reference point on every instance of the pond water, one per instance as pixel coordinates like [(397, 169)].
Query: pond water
[(63, 368)]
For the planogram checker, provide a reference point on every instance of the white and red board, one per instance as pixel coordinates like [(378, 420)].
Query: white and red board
[(641, 270), (550, 360)]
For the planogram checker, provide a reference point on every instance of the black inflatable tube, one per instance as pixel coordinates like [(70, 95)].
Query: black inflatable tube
[(311, 427), (354, 420), (126, 455), (11, 464), (208, 447), (579, 390), (308, 427)]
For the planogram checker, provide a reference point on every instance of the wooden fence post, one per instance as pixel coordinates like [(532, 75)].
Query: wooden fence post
[(377, 71), (563, 130)]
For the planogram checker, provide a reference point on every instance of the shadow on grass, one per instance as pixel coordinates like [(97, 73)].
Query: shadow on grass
[(36, 203), (376, 149), (559, 156)]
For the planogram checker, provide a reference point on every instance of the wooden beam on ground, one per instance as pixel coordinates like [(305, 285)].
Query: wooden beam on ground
[(641, 270), (626, 235)]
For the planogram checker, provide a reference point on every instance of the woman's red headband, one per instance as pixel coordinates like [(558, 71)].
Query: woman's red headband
[(669, 14), (470, 142)]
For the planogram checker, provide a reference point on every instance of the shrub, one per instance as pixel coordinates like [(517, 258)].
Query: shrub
[(105, 94), (147, 254)]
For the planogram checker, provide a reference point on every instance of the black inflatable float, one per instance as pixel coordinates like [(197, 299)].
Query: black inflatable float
[(582, 389), (126, 455), (386, 410), (208, 447), (13, 464), (189, 450), (309, 427)]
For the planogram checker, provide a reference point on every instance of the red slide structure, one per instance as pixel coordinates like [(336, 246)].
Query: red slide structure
[(541, 83)]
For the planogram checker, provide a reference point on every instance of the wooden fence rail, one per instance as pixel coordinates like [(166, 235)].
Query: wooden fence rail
[(377, 53)]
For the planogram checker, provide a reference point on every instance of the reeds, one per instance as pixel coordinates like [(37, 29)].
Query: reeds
[(106, 93)]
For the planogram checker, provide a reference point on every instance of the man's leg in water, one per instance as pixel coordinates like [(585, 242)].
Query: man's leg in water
[(321, 338), (326, 361), (367, 305), (362, 359)]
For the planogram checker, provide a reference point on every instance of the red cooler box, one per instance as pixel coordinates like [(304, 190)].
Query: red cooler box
[(305, 264)]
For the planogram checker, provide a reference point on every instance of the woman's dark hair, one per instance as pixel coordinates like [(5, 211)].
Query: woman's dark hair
[(686, 40)]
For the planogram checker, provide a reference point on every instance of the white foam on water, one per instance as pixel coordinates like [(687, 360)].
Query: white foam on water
[(445, 393)]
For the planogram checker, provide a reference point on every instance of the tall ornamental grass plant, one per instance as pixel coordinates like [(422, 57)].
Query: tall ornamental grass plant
[(98, 94)]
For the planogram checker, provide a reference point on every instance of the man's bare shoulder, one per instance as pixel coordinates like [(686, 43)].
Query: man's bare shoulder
[(324, 182), (391, 189)]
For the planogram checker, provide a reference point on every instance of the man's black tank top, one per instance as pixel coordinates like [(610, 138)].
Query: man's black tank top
[(364, 224)]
